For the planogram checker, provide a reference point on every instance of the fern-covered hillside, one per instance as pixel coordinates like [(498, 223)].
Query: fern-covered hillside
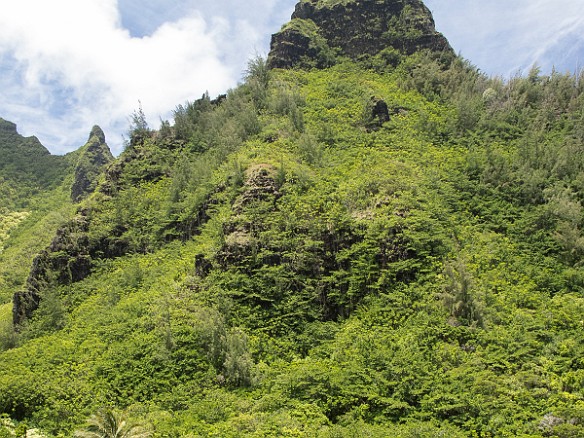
[(389, 246)]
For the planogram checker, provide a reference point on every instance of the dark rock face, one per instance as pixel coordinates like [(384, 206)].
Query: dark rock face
[(288, 47), (299, 44), (8, 127), (380, 111), (24, 303), (95, 155), (65, 261), (355, 28)]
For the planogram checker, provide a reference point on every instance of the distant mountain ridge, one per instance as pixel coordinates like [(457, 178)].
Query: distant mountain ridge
[(25, 162), (27, 168), (8, 130), (26, 159)]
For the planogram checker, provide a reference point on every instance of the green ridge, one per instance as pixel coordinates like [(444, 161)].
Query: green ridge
[(297, 259)]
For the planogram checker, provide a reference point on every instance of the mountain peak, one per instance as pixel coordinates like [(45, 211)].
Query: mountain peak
[(96, 131), (12, 142), (321, 30), (93, 157)]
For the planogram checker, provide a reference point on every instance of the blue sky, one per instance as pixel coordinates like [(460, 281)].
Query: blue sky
[(66, 65)]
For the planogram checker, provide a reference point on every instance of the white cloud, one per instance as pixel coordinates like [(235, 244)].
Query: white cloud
[(503, 37), (552, 24), (68, 64)]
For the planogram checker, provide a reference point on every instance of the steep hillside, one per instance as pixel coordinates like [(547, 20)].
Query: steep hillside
[(386, 246), (30, 181), (39, 198)]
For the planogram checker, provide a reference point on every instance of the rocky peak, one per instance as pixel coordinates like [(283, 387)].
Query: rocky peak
[(97, 132), (321, 30), (6, 126), (93, 157)]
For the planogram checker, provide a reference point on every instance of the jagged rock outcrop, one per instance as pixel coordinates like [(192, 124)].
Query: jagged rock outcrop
[(93, 157), (8, 127), (68, 258), (65, 261), (320, 30), (379, 113), (259, 187)]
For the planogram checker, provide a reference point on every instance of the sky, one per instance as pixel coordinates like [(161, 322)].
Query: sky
[(66, 65)]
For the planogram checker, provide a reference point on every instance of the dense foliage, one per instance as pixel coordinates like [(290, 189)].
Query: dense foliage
[(26, 168), (281, 261)]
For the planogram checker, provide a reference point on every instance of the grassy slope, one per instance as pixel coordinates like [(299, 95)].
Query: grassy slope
[(380, 290)]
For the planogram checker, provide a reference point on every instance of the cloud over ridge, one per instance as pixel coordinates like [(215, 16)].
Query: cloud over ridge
[(74, 64), (66, 65)]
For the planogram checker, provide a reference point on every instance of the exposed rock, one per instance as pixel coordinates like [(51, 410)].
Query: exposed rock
[(65, 261), (94, 156), (379, 113), (24, 303), (322, 29), (260, 188), (260, 185), (300, 44), (8, 127)]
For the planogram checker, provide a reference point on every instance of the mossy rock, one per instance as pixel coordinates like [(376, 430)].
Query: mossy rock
[(322, 31)]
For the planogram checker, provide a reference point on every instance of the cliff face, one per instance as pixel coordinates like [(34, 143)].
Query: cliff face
[(321, 30), (65, 261)]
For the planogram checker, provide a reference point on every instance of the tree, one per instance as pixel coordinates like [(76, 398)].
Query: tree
[(139, 129), (459, 296), (257, 78), (110, 424)]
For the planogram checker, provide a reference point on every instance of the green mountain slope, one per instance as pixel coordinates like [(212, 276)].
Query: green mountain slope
[(26, 167), (31, 183), (389, 246), (39, 198)]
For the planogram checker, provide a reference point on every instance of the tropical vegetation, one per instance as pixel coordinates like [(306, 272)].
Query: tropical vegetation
[(281, 261)]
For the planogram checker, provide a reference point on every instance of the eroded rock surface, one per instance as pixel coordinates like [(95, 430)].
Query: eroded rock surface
[(322, 30)]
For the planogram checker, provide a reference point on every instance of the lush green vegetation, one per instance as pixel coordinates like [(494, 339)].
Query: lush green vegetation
[(34, 202), (279, 262), (26, 231), (26, 168)]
